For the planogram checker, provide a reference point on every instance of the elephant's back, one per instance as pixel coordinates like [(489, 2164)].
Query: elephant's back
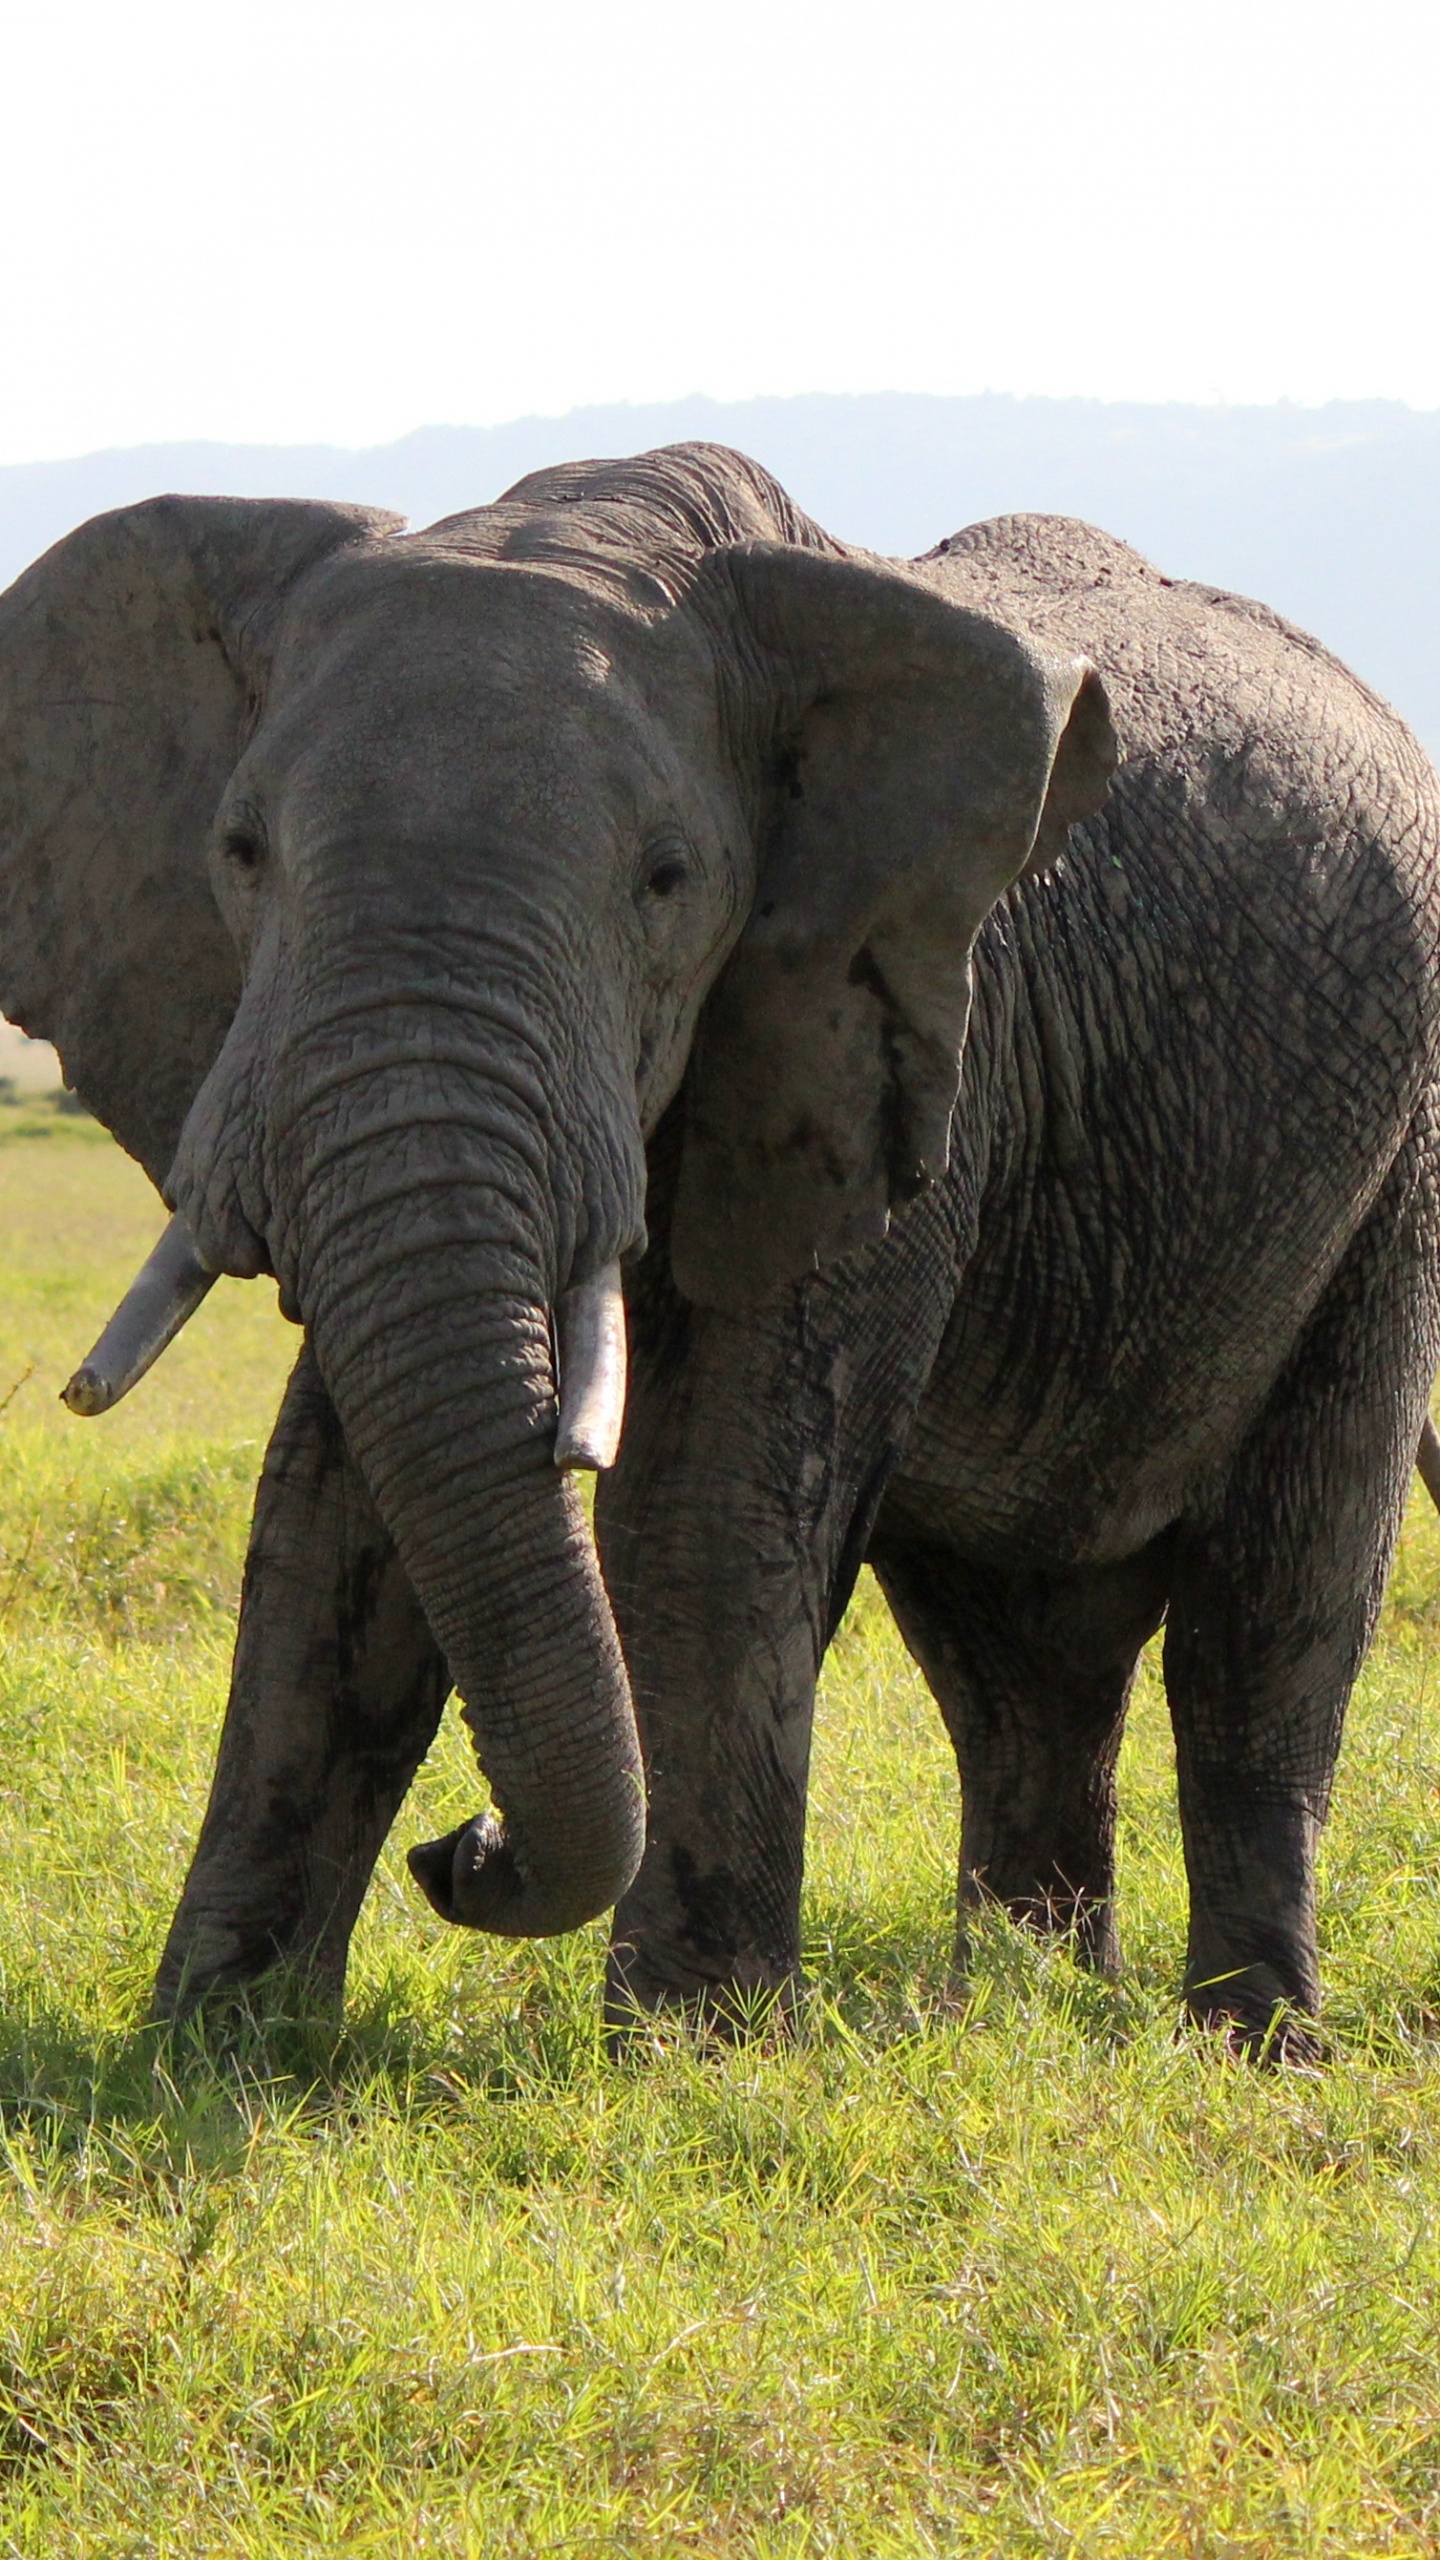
[(1198, 1043), (1212, 687), (1274, 828)]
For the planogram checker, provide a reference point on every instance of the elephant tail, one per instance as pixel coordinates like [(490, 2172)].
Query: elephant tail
[(1427, 1459)]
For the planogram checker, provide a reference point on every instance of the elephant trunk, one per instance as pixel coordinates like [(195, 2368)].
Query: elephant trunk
[(425, 1212), (452, 1422)]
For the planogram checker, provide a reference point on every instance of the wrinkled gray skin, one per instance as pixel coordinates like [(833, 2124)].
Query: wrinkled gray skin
[(371, 888)]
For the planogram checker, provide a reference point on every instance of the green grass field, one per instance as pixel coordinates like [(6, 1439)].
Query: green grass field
[(1051, 2278)]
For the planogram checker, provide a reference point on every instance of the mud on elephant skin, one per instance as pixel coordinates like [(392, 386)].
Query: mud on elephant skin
[(372, 886)]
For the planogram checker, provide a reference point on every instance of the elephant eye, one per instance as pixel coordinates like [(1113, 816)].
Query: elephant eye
[(667, 872), (244, 846)]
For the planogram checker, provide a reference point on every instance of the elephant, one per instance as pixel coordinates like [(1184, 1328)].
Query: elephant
[(370, 886), (1013, 1135)]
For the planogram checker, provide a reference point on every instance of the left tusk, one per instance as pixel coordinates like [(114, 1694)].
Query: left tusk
[(160, 1299), (590, 1357)]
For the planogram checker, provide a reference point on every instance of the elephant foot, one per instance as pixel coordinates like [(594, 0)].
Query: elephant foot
[(211, 1960), (1258, 2021), (1082, 1922), (645, 1995)]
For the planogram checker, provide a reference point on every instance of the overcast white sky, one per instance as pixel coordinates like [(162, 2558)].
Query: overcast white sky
[(290, 221)]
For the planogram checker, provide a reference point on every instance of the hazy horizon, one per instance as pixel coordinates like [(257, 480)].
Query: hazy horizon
[(1283, 406), (1328, 512)]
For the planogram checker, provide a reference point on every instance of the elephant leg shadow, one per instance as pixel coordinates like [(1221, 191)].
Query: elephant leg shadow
[(335, 1698)]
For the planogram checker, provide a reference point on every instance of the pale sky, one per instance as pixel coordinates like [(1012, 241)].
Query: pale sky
[(293, 221)]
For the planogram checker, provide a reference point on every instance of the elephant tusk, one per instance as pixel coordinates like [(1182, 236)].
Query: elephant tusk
[(590, 1358), (160, 1299)]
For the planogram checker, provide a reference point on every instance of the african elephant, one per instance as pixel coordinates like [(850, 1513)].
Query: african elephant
[(371, 887), (584, 825)]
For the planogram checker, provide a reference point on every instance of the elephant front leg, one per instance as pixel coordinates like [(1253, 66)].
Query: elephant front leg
[(712, 1922), (730, 1532), (335, 1698), (724, 1683)]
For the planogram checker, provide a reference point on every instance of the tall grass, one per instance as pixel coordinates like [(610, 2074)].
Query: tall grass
[(1051, 2277)]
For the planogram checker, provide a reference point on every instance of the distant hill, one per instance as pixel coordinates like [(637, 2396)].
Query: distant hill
[(1332, 515)]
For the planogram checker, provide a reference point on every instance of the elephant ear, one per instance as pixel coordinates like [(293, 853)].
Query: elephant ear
[(132, 659), (918, 756)]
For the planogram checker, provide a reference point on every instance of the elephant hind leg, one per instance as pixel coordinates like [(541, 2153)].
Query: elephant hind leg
[(335, 1697), (1032, 1673), (1277, 1587)]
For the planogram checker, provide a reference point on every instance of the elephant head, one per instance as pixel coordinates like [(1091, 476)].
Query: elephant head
[(380, 890)]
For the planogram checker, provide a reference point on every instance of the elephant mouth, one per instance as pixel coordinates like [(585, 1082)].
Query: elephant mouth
[(478, 1876)]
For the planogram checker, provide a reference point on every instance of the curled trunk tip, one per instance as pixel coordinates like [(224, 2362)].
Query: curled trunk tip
[(474, 1879)]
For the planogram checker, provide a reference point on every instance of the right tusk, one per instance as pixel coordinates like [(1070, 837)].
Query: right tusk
[(161, 1298), (590, 1357)]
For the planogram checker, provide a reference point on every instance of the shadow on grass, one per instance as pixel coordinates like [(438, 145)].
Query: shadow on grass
[(501, 2030), (61, 2085), (277, 2049)]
